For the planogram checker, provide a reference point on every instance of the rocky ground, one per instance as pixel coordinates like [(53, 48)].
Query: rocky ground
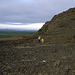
[(37, 60)]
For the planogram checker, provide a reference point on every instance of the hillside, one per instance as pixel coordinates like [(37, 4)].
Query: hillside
[(61, 29), (56, 56)]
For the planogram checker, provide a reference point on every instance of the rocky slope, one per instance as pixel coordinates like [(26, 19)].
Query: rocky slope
[(42, 59), (61, 27), (60, 30)]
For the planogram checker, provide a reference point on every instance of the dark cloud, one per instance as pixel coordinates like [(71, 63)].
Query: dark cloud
[(32, 11)]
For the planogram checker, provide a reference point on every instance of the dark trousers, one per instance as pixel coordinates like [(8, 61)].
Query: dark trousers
[(39, 41)]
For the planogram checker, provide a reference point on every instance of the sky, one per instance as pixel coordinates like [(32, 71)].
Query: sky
[(30, 14)]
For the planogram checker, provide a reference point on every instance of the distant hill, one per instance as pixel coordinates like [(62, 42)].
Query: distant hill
[(61, 29)]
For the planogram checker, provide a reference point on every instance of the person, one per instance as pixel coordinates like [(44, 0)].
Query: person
[(39, 39), (42, 40)]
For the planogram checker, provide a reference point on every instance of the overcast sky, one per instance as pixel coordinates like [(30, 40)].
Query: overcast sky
[(28, 12)]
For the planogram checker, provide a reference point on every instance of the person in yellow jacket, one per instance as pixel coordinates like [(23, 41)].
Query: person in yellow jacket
[(42, 40)]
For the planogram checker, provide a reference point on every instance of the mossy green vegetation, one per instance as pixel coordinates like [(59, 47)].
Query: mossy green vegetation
[(42, 31)]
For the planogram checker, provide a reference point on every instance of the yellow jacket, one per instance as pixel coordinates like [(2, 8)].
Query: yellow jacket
[(42, 39)]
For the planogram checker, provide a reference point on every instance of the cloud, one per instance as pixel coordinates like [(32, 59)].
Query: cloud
[(34, 26), (32, 11)]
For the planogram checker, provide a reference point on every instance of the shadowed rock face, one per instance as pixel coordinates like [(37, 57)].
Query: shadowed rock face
[(62, 26)]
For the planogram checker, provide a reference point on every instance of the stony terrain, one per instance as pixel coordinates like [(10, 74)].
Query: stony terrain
[(37, 60), (56, 56)]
